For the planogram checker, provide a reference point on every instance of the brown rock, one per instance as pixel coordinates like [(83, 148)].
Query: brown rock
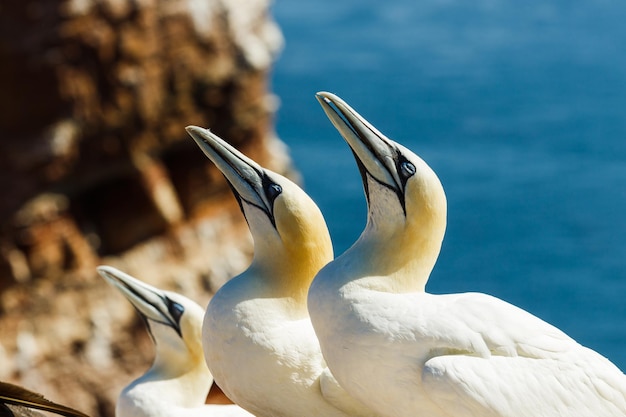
[(95, 167)]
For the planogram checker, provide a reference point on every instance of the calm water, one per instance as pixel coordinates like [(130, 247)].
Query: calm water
[(519, 108)]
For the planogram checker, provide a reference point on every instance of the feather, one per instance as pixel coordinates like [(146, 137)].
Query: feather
[(16, 395), (11, 410)]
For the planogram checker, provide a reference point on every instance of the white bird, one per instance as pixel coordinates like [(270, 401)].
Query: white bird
[(257, 336), (436, 355), (178, 382)]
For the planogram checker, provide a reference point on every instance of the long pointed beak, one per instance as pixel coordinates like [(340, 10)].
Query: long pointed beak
[(376, 153), (152, 303), (248, 179)]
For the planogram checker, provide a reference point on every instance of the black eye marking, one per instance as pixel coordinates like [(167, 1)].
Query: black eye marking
[(273, 191), (176, 310), (407, 169)]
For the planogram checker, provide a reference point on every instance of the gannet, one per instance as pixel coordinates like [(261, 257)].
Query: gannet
[(178, 382), (257, 336), (16, 401), (404, 352)]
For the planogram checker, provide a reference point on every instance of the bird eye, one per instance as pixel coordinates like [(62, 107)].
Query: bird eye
[(175, 309), (407, 169), (273, 191)]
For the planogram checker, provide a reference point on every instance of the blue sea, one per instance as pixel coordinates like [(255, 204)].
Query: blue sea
[(520, 108)]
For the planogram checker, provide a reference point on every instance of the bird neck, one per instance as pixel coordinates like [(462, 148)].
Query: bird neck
[(188, 380), (172, 359), (287, 273), (280, 279), (392, 260)]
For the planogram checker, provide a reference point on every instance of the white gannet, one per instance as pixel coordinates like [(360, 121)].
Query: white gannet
[(16, 401), (404, 352), (178, 382), (257, 336)]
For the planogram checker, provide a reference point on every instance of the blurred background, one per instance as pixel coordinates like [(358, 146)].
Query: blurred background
[(96, 168), (519, 108)]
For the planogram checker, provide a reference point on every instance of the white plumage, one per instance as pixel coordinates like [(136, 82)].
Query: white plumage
[(178, 382), (257, 335), (404, 352)]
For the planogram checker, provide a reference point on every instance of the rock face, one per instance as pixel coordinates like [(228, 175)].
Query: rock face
[(95, 167)]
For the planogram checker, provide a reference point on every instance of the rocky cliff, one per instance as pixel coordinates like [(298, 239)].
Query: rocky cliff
[(96, 168)]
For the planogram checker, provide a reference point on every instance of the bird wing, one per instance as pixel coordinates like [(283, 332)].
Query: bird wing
[(506, 361), (522, 387), (11, 410), (339, 397), (16, 395)]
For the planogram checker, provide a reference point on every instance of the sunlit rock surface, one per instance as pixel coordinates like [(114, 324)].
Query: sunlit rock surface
[(96, 167)]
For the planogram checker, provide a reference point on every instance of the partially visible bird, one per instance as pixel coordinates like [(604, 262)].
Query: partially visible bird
[(257, 336), (177, 383), (406, 353), (16, 401)]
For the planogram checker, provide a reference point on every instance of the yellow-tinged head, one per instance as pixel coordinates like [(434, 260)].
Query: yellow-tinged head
[(291, 240), (175, 324), (406, 202)]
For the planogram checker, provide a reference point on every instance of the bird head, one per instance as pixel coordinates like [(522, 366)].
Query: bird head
[(291, 240), (406, 201), (173, 321)]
